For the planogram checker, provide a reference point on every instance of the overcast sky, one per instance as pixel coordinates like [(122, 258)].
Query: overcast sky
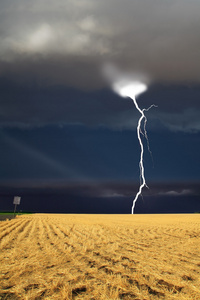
[(67, 43), (159, 38), (53, 86)]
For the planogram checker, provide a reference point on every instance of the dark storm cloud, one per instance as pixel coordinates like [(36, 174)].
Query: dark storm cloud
[(115, 197), (68, 41), (178, 107), (121, 189), (27, 106), (102, 189), (37, 105)]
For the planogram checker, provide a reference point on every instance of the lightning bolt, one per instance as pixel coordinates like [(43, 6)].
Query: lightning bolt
[(141, 164), (132, 90)]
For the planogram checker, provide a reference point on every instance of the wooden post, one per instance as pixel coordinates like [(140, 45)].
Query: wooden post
[(15, 210)]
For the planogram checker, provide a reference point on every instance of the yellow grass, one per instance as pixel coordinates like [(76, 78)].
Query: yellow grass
[(52, 256)]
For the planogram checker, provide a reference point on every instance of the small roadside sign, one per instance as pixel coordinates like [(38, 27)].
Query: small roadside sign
[(16, 200)]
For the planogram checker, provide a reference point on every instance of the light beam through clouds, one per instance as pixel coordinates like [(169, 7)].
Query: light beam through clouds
[(128, 87)]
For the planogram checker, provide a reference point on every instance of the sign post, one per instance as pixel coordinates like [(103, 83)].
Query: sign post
[(16, 201)]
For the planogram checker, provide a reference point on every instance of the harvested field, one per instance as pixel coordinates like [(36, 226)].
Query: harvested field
[(53, 256)]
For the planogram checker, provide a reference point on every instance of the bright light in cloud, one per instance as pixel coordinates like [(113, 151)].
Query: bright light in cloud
[(129, 89), (126, 84)]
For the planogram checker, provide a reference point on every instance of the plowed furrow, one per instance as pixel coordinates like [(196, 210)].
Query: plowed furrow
[(7, 224), (44, 249), (58, 233), (38, 239), (112, 261), (41, 233), (54, 242), (65, 238), (24, 232), (81, 234), (61, 243), (31, 239), (11, 237), (47, 237), (64, 231), (31, 232), (9, 228)]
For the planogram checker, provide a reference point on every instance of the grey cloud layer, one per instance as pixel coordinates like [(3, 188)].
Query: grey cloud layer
[(67, 41)]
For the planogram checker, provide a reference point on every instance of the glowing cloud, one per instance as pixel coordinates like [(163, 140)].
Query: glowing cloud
[(129, 90)]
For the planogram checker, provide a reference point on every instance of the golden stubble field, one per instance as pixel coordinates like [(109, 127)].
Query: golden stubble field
[(69, 256)]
